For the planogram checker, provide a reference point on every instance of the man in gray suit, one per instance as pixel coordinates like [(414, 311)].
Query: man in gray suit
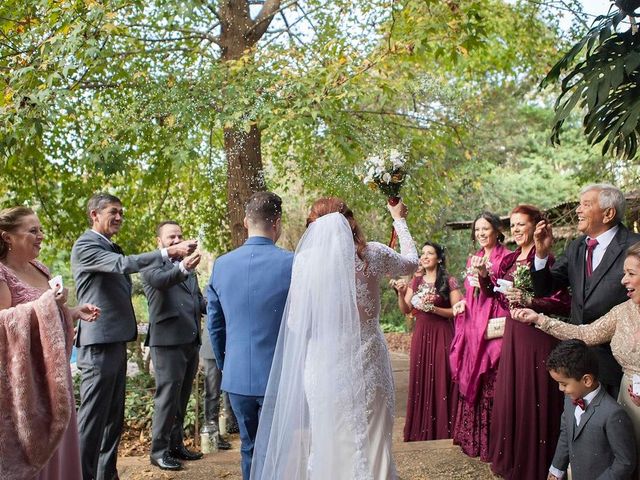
[(596, 435), (101, 273), (176, 306)]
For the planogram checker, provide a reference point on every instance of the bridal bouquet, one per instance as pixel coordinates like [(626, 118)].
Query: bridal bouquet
[(385, 171), (425, 298)]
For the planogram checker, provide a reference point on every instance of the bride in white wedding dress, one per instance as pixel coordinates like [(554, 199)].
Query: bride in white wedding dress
[(329, 406)]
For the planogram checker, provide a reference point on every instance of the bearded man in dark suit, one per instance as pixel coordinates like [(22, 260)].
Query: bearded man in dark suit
[(176, 306)]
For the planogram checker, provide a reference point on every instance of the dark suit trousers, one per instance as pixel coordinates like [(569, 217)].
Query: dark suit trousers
[(103, 371), (174, 370), (213, 395), (247, 410)]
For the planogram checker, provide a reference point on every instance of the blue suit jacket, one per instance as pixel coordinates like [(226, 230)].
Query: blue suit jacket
[(246, 296)]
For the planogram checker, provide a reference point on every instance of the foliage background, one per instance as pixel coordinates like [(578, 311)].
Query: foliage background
[(134, 97)]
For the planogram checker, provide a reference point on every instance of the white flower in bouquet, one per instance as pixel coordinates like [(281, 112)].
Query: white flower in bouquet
[(385, 171), (397, 159)]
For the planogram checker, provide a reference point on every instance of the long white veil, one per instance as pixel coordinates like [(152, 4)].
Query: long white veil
[(313, 423)]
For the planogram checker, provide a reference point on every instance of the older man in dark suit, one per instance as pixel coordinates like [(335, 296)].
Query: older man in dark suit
[(591, 266), (101, 273), (176, 306)]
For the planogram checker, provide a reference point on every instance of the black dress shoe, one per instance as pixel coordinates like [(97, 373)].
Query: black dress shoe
[(182, 453), (167, 462), (223, 444)]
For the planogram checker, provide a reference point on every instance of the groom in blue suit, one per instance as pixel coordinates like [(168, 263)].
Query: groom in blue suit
[(245, 301)]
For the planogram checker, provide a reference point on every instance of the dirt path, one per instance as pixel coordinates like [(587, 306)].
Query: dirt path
[(438, 459)]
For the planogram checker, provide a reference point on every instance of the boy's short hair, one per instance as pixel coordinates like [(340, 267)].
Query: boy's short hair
[(574, 359)]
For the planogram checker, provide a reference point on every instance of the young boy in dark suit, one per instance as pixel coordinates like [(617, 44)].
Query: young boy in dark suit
[(596, 437)]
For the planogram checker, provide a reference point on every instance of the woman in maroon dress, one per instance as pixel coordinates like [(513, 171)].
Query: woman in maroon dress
[(527, 405), (42, 416), (474, 358), (431, 402)]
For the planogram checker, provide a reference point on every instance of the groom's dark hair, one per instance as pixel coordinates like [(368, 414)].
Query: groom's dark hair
[(264, 208)]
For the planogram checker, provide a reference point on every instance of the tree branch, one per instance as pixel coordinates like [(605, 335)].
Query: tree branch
[(262, 21)]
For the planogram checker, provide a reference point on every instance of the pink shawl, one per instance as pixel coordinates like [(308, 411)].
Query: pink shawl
[(35, 343), (471, 355)]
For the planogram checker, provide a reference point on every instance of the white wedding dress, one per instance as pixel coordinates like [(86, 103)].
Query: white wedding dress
[(329, 406)]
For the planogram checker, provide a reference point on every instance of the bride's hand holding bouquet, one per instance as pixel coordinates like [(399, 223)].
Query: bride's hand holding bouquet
[(385, 171)]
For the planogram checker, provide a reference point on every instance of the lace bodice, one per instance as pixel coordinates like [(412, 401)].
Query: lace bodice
[(621, 327), (21, 292), (380, 261)]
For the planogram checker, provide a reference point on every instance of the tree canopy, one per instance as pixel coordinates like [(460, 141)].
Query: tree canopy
[(152, 101)]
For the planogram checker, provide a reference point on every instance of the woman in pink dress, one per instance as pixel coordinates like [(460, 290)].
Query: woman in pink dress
[(432, 400), (527, 405), (474, 358), (36, 336)]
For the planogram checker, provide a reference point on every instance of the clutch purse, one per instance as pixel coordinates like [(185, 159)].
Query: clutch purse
[(495, 328)]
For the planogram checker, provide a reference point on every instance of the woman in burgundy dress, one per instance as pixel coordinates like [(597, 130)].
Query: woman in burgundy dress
[(527, 405), (431, 402), (474, 358), (36, 331)]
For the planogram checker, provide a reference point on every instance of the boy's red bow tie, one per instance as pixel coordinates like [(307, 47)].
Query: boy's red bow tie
[(580, 403)]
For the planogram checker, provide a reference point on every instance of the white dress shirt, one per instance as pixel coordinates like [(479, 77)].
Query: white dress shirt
[(604, 239)]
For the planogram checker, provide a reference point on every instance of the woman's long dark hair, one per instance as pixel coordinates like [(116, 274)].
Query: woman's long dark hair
[(493, 220), (442, 276)]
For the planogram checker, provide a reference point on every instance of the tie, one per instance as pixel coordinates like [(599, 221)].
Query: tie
[(117, 249), (580, 403), (591, 244)]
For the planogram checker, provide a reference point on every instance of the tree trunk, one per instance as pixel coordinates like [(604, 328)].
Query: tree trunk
[(245, 176)]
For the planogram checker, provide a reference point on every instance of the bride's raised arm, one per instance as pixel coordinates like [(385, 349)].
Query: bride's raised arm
[(392, 263)]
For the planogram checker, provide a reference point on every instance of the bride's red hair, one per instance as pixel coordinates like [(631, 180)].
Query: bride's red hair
[(327, 205)]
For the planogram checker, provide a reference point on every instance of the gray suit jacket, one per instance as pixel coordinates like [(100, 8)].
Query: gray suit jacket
[(101, 273), (176, 306), (602, 447)]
